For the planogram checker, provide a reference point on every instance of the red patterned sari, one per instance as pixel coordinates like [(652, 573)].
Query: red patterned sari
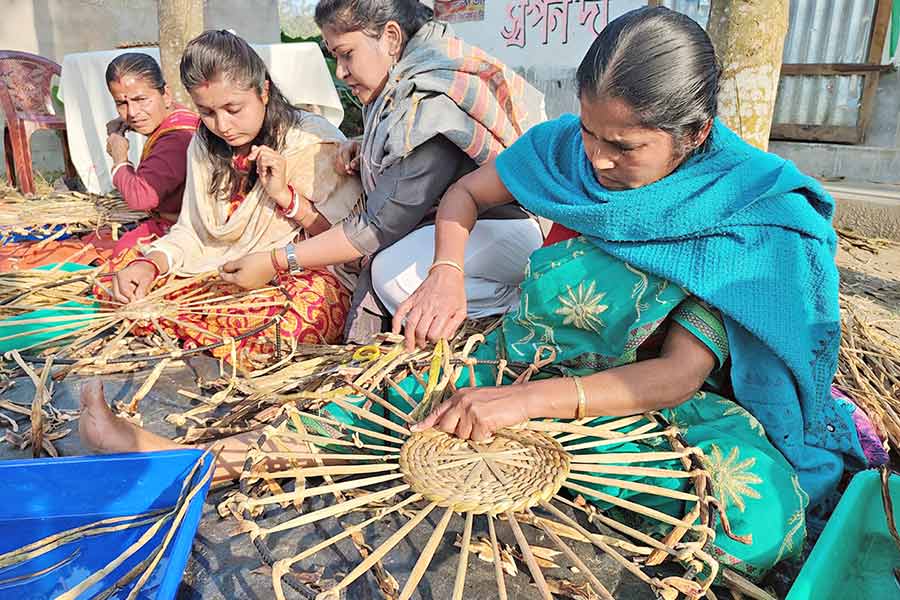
[(317, 310)]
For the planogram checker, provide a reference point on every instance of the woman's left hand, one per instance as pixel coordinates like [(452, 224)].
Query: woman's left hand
[(117, 147), (251, 272), (272, 169), (476, 413)]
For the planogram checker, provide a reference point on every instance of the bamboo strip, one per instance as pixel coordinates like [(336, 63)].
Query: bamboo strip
[(584, 431), (51, 542), (629, 566), (460, 581), (636, 486), (375, 434), (42, 572), (148, 384), (611, 426), (629, 457), (127, 578), (401, 392), (319, 490), (495, 552), (528, 555), (627, 504), (319, 440), (379, 552), (622, 440), (571, 555), (623, 470), (336, 456), (54, 329), (69, 320), (334, 511), (348, 469), (426, 555), (347, 532), (173, 528), (382, 403), (630, 531), (365, 414)]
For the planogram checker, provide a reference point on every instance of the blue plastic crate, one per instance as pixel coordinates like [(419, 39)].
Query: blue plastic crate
[(46, 496)]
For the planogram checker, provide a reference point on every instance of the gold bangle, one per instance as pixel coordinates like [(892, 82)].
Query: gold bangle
[(449, 263), (582, 399)]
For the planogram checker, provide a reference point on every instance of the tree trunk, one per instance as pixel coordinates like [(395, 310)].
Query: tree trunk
[(749, 38), (180, 21)]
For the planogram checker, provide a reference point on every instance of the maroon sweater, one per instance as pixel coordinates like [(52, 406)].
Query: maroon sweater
[(158, 182)]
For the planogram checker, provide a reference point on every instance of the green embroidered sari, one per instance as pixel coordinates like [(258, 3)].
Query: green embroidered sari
[(599, 313)]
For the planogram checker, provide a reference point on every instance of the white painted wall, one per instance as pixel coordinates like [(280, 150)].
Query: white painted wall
[(542, 36)]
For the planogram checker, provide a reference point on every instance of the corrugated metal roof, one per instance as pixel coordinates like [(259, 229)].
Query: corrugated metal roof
[(821, 31)]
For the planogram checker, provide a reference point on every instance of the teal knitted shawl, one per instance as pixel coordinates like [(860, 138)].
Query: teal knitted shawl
[(743, 230)]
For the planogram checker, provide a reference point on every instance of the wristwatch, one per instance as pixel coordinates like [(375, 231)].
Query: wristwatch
[(291, 252)]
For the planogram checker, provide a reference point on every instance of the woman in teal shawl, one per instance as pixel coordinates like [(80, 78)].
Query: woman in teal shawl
[(691, 273)]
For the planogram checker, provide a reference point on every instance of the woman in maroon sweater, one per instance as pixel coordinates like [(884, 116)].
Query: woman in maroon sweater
[(145, 105)]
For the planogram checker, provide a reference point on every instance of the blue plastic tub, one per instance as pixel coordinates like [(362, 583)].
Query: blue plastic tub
[(46, 496), (855, 556)]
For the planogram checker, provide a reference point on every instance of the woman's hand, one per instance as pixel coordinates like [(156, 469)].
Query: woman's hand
[(435, 310), (347, 160), (117, 125), (133, 282), (476, 413), (251, 272), (117, 147), (272, 169)]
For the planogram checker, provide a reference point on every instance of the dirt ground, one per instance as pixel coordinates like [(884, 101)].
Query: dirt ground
[(872, 279)]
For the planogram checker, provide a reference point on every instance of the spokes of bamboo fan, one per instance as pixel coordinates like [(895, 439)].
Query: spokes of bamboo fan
[(80, 321), (530, 478)]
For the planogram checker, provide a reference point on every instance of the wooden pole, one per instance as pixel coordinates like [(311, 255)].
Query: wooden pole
[(180, 21), (749, 37)]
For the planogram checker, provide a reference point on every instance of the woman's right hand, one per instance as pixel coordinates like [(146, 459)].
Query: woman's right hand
[(435, 310), (347, 159), (133, 282)]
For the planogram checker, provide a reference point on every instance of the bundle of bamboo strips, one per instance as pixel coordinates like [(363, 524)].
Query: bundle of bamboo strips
[(381, 467), (869, 370), (58, 213)]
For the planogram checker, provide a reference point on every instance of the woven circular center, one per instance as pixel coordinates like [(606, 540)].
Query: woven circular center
[(146, 310), (514, 471)]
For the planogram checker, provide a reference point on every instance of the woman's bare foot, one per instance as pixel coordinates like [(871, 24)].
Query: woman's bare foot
[(103, 432)]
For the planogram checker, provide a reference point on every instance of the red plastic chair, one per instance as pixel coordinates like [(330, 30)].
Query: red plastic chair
[(27, 105)]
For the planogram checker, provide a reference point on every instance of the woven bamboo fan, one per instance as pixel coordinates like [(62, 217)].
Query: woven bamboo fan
[(80, 333), (530, 476)]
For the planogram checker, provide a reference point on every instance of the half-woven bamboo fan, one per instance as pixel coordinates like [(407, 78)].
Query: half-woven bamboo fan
[(84, 330), (534, 476)]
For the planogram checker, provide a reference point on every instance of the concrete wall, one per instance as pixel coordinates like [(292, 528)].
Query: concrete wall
[(54, 28)]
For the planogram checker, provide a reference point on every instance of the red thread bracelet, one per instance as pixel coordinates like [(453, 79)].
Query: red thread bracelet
[(144, 259), (275, 264)]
